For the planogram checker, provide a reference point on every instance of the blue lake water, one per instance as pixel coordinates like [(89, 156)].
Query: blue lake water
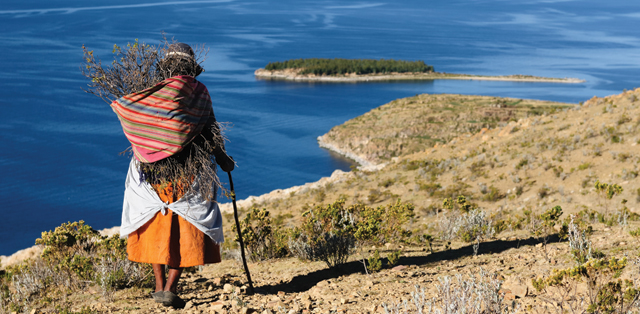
[(59, 146)]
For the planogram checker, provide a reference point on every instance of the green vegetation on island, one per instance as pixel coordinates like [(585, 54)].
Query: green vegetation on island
[(369, 70), (319, 66)]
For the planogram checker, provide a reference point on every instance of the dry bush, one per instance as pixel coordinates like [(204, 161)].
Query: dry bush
[(473, 225), (604, 293), (75, 256), (331, 233), (262, 240), (456, 295), (135, 67)]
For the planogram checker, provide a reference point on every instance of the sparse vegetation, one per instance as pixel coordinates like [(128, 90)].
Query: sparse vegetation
[(75, 256), (552, 198)]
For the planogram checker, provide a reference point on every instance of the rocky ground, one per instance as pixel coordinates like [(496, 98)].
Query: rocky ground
[(292, 286)]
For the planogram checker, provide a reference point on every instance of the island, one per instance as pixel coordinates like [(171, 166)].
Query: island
[(370, 70)]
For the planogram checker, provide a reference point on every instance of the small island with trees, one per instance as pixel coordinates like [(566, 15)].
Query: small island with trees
[(364, 70)]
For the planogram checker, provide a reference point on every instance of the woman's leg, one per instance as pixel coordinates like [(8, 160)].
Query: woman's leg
[(158, 271), (172, 280)]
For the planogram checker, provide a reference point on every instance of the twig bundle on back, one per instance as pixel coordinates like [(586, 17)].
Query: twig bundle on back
[(139, 66)]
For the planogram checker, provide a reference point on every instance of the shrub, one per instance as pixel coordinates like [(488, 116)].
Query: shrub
[(74, 256), (635, 233), (475, 226), (461, 203), (374, 264), (471, 226), (330, 233), (493, 195), (579, 243), (326, 234), (607, 192), (394, 258), (475, 295), (543, 191), (431, 188), (67, 248), (604, 293), (261, 240)]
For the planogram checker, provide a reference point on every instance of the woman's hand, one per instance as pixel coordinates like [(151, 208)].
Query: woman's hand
[(225, 162)]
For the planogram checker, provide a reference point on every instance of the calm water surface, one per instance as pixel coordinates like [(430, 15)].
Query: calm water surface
[(59, 156)]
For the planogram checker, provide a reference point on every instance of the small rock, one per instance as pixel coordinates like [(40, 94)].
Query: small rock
[(227, 288), (516, 288), (399, 268), (245, 310), (188, 305), (344, 301), (218, 281), (281, 293), (218, 305)]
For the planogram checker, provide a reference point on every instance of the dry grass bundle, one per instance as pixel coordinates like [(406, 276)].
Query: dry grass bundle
[(138, 66), (135, 67)]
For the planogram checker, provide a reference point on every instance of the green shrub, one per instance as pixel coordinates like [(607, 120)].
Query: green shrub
[(326, 234), (635, 233), (493, 195), (387, 183), (608, 191), (394, 258), (461, 203), (431, 188), (330, 233), (67, 248), (74, 256), (605, 292), (260, 239), (475, 226), (548, 221), (374, 264)]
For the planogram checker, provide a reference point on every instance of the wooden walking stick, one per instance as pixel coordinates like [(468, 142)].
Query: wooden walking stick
[(235, 214)]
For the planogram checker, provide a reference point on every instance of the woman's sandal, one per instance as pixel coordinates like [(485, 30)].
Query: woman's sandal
[(158, 296), (171, 299)]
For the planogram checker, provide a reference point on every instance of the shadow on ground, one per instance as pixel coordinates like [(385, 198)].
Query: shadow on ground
[(305, 282)]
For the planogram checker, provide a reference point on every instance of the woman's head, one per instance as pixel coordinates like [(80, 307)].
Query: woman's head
[(179, 60)]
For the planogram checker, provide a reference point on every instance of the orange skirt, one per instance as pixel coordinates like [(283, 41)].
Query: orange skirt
[(170, 239)]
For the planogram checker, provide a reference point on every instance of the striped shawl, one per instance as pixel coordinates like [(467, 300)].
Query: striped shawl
[(160, 121)]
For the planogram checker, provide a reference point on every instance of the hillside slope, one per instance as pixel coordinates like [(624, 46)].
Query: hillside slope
[(513, 172)]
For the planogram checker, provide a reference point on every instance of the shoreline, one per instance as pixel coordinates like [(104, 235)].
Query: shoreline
[(291, 75), (336, 176)]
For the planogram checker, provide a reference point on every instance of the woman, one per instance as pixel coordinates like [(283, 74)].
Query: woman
[(170, 214)]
